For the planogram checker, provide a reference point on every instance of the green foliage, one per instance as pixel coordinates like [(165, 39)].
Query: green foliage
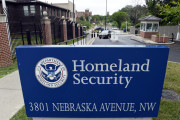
[(171, 13), (172, 79), (138, 25), (98, 18), (101, 19), (7, 70), (120, 17), (169, 110), (85, 23), (82, 18), (168, 10), (123, 25), (152, 7), (135, 12), (87, 18), (21, 115), (114, 24)]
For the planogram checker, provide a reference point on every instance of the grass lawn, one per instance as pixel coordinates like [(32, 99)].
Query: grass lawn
[(172, 80), (21, 115), (169, 110), (71, 41), (8, 70)]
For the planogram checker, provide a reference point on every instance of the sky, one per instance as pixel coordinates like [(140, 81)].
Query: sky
[(99, 6)]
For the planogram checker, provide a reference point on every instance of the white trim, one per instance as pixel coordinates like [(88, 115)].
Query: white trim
[(92, 118), (146, 26), (7, 24)]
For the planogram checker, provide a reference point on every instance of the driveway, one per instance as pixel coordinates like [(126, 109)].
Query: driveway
[(125, 39)]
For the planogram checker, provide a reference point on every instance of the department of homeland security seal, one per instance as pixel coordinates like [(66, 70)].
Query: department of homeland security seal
[(51, 72)]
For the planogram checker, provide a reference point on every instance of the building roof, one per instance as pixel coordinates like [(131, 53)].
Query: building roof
[(150, 18), (34, 1)]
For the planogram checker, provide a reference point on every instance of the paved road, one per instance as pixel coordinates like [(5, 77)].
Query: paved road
[(123, 40), (174, 55)]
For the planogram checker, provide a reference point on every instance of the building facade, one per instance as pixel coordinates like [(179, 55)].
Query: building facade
[(28, 9), (85, 14), (68, 6)]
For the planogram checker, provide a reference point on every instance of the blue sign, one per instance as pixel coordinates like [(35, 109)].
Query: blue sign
[(92, 81)]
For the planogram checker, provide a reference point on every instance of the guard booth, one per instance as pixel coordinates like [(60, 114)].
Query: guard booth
[(149, 26)]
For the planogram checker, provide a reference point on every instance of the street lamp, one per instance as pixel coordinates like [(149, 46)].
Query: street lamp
[(73, 11), (106, 15)]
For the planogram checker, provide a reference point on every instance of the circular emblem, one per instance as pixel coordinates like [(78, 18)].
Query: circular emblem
[(51, 72)]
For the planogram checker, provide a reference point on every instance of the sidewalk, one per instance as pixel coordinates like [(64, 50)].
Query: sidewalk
[(147, 41), (11, 99)]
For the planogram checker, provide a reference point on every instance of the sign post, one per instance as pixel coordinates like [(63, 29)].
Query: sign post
[(92, 81)]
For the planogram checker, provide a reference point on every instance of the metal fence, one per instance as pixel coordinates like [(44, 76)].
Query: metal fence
[(28, 30)]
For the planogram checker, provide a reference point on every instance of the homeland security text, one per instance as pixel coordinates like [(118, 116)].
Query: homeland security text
[(114, 70)]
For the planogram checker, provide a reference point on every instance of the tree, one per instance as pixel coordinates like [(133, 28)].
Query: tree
[(170, 12), (135, 12), (82, 18), (152, 7), (87, 18), (114, 24), (120, 17), (123, 25), (85, 23)]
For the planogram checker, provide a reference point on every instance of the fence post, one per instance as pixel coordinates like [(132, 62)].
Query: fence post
[(79, 31), (64, 29), (47, 36), (73, 29), (28, 35), (5, 52)]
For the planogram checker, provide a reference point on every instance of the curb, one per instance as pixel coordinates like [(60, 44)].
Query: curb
[(91, 41), (153, 43), (174, 62)]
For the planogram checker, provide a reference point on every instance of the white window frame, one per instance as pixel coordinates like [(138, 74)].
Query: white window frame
[(147, 22)]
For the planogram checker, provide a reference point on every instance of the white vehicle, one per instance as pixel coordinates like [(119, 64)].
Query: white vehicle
[(106, 34), (114, 28)]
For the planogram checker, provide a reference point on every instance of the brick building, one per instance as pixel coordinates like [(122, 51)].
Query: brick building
[(32, 22), (149, 26), (26, 10), (85, 14)]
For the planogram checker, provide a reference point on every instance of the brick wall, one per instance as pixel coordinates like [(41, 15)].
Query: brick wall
[(64, 30), (5, 53), (147, 34)]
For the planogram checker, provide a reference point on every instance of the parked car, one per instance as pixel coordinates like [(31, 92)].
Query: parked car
[(106, 34), (115, 29)]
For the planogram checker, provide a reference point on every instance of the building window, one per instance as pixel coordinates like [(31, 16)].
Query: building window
[(41, 10), (32, 9), (58, 13), (29, 10), (47, 11), (143, 25), (149, 27), (155, 27), (26, 10), (51, 12)]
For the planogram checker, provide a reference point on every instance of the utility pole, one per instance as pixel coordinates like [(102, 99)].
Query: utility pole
[(73, 11), (178, 34), (106, 15), (126, 26)]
